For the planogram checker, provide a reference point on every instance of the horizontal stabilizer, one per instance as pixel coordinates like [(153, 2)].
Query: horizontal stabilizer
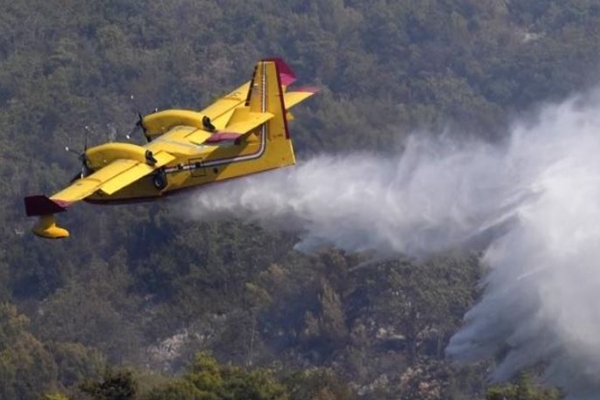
[(42, 205), (298, 95), (242, 121)]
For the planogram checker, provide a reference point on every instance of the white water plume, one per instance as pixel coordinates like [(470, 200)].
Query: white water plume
[(542, 187), (540, 302), (431, 198)]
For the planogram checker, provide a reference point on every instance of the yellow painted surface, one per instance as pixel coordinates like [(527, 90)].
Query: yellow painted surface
[(46, 227), (122, 171), (293, 98)]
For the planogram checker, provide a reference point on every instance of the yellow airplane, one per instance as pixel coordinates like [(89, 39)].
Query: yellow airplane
[(243, 133)]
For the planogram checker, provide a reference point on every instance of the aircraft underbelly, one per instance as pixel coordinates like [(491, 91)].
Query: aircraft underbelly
[(193, 170), (194, 173)]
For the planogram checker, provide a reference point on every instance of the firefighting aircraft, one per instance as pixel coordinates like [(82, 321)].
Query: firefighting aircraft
[(243, 133)]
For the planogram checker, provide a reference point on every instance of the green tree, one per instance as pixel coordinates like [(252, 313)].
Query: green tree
[(317, 384), (114, 385), (206, 379), (523, 389), (425, 301), (26, 368)]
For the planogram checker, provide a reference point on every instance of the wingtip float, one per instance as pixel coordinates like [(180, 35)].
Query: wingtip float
[(243, 133), (45, 208)]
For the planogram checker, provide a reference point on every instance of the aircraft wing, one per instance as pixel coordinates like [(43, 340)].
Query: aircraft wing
[(228, 118), (222, 110), (235, 123), (227, 103), (109, 179), (240, 127)]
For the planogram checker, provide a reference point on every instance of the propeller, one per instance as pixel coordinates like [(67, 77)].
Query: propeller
[(137, 127), (85, 169), (138, 124)]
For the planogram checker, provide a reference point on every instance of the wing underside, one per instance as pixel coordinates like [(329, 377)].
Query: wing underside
[(111, 178), (107, 180)]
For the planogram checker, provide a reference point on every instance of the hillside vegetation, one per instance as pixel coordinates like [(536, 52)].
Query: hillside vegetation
[(138, 304)]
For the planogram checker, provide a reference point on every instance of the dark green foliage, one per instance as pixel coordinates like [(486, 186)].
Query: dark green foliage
[(317, 384), (26, 367), (206, 379), (115, 385), (75, 362), (29, 368), (136, 285), (523, 389), (424, 302)]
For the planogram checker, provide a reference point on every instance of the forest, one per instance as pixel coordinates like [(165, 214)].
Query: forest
[(138, 304)]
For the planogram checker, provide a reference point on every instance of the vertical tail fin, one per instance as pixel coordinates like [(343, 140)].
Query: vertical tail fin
[(266, 94)]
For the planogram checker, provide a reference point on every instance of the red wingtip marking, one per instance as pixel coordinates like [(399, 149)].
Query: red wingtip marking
[(42, 205), (286, 75), (62, 203)]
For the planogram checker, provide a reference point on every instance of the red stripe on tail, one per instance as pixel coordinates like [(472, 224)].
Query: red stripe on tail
[(286, 75)]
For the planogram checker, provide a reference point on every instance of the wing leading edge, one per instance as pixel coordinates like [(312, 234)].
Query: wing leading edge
[(108, 180)]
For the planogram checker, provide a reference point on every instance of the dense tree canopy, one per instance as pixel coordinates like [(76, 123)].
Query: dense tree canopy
[(139, 288)]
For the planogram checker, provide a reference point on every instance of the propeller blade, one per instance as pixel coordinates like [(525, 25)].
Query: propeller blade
[(137, 109), (138, 125), (70, 150), (133, 130)]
